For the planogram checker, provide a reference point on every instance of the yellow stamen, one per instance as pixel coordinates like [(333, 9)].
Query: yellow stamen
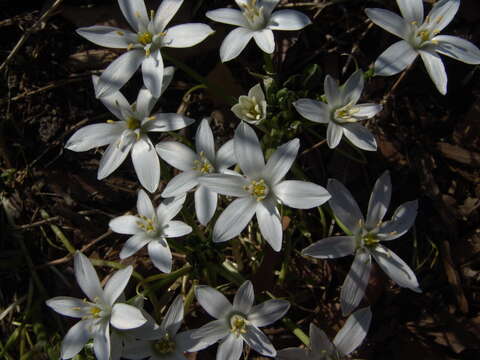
[(145, 38), (121, 33), (258, 189), (238, 325)]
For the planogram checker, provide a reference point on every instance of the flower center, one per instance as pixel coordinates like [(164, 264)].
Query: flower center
[(238, 324), (145, 37), (345, 114), (254, 14), (147, 224), (254, 112), (258, 189), (132, 123), (165, 345), (203, 165), (95, 311)]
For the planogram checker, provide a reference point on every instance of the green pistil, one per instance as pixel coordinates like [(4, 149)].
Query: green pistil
[(165, 345), (133, 123), (370, 240), (238, 325)]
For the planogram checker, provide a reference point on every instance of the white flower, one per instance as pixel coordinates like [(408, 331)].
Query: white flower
[(194, 165), (420, 37), (260, 189), (130, 133), (237, 323), (350, 336), (97, 313), (143, 45), (255, 20), (163, 342), (342, 113), (251, 108), (152, 227), (366, 239)]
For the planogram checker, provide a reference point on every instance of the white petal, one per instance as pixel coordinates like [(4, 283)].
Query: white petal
[(114, 156), (379, 200), (389, 21), (87, 277), (133, 244), (177, 155), (234, 219), (152, 73), (107, 36), (230, 185), (332, 92), (126, 224), (395, 59), (234, 43), (174, 317), (257, 93), (412, 10), (313, 110), (443, 12), (344, 205), (334, 135), (176, 229), (457, 48), (319, 341), (145, 103), (270, 224), (115, 102), (351, 335), (144, 205), (116, 284), (301, 194), (160, 255), (351, 91), (95, 135), (169, 208), (360, 136), (69, 306), (168, 74), (75, 339), (167, 122), (225, 156), (209, 334), (186, 35), (205, 204), (213, 301), (353, 287), (366, 111), (289, 20), (331, 247), (119, 72), (281, 161), (186, 342), (230, 349), (135, 12), (244, 298), (268, 312), (248, 151), (135, 350), (435, 68), (126, 317), (146, 164), (396, 268), (181, 183), (204, 140), (165, 12), (265, 40), (228, 16), (402, 220), (257, 340), (268, 5), (101, 341)]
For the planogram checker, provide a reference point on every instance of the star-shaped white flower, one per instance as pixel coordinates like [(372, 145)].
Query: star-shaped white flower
[(348, 338), (260, 189), (257, 20), (97, 313), (237, 323), (194, 165), (152, 227), (130, 133), (251, 108), (342, 113), (420, 37), (143, 44), (365, 242), (163, 342)]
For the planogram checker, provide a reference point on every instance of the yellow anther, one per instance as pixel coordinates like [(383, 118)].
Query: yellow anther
[(121, 33), (133, 123), (95, 311), (370, 240), (130, 46), (147, 224), (414, 22), (147, 52), (145, 37), (238, 325), (151, 118), (110, 121), (258, 189), (203, 165)]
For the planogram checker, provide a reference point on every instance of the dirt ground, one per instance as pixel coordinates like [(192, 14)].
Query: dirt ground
[(429, 142)]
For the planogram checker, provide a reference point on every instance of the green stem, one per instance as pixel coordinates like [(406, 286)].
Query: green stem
[(59, 234), (268, 58), (290, 325)]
